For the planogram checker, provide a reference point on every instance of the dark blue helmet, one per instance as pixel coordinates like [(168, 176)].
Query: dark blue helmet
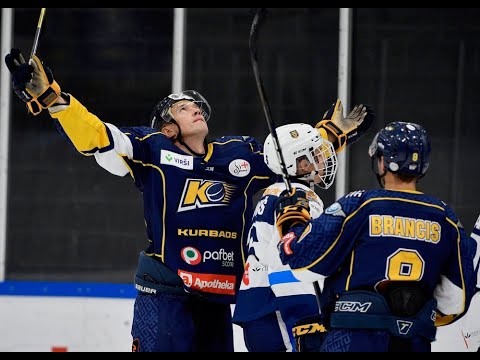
[(405, 147), (161, 112)]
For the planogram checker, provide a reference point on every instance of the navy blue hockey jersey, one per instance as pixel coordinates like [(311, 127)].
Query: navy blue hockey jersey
[(197, 209), (368, 237)]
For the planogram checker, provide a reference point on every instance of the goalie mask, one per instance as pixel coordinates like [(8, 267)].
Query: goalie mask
[(302, 142), (161, 113), (405, 148)]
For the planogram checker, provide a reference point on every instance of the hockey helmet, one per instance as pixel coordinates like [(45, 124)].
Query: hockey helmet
[(405, 148), (161, 113), (298, 141)]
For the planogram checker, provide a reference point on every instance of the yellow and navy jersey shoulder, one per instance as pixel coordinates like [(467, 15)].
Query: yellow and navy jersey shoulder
[(198, 209), (368, 237)]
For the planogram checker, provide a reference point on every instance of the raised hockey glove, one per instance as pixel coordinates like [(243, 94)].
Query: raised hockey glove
[(343, 131), (32, 82), (292, 209)]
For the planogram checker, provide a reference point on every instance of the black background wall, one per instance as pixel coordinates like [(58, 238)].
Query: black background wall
[(68, 219)]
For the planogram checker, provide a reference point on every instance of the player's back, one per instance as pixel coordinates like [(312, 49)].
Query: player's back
[(399, 236)]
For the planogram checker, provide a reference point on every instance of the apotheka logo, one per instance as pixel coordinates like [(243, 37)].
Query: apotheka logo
[(191, 255), (210, 283)]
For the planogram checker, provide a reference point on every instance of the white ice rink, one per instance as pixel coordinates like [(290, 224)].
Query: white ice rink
[(93, 324)]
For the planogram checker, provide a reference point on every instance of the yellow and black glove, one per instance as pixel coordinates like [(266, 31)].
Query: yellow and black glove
[(343, 131), (292, 209), (32, 82)]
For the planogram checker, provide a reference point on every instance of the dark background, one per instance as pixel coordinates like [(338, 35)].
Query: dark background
[(69, 219)]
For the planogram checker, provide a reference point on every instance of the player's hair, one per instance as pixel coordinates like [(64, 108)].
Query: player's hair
[(161, 114), (405, 148), (299, 141)]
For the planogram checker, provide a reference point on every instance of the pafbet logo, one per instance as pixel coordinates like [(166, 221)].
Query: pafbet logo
[(191, 255)]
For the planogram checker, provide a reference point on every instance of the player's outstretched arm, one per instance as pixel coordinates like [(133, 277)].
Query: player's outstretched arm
[(34, 84)]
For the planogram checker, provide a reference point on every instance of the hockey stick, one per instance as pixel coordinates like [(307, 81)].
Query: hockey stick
[(258, 20), (37, 33)]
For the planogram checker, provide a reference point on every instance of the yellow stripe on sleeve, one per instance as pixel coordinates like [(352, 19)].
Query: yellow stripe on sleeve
[(86, 131)]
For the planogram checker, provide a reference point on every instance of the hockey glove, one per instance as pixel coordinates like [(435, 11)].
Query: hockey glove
[(292, 209), (32, 82), (343, 131)]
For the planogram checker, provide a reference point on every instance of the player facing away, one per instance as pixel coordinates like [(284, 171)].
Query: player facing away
[(271, 299), (197, 197), (396, 262)]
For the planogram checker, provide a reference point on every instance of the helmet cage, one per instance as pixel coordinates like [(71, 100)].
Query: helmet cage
[(324, 160), (299, 141)]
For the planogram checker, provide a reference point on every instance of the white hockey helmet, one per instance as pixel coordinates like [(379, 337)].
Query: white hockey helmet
[(299, 141)]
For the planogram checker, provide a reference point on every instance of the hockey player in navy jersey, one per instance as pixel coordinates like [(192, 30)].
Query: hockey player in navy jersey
[(271, 299), (464, 335), (396, 262), (197, 198)]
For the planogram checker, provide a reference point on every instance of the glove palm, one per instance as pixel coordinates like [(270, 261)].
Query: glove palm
[(342, 130)]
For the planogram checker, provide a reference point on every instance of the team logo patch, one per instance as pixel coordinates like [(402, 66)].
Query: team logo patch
[(239, 168), (335, 209), (191, 255), (294, 134), (198, 193)]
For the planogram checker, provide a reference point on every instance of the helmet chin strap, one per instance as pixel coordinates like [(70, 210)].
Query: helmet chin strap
[(381, 180), (309, 179), (380, 177), (179, 138)]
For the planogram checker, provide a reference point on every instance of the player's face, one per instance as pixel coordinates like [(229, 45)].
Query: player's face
[(320, 165), (189, 118), (305, 166)]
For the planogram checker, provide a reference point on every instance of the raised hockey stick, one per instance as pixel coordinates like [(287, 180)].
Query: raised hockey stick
[(258, 20), (260, 15), (37, 33)]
